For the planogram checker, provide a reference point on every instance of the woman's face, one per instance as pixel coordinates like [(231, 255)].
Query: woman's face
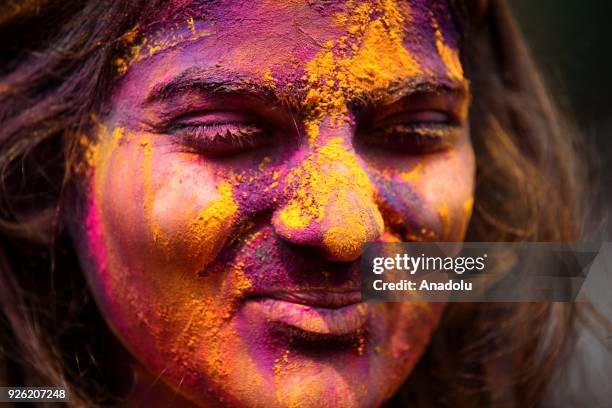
[(250, 151)]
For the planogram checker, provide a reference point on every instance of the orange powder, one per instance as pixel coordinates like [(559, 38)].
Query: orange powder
[(444, 219), (449, 55), (369, 58), (468, 205), (326, 185), (91, 151), (149, 196), (151, 45), (413, 174), (212, 222)]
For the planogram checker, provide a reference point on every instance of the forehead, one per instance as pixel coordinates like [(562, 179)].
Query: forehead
[(294, 42), (302, 12)]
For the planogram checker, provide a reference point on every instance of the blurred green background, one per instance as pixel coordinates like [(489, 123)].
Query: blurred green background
[(572, 43)]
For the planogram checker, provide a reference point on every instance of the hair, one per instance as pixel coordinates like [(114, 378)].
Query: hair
[(57, 70)]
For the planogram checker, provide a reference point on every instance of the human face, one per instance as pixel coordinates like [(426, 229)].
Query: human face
[(250, 150)]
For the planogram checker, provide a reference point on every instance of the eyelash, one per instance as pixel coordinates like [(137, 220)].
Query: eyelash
[(412, 136), (221, 139)]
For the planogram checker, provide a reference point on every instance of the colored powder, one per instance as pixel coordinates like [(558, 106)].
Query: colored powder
[(345, 242), (370, 58), (268, 79), (205, 323), (411, 175), (294, 216), (280, 362), (361, 342), (213, 222), (95, 236), (468, 205), (450, 56), (207, 319), (117, 137), (444, 219), (327, 187), (149, 196), (191, 25), (91, 151), (239, 282), (149, 46)]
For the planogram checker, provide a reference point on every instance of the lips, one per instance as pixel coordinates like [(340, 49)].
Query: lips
[(318, 298), (317, 312)]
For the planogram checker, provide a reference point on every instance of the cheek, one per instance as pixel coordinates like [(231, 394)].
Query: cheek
[(447, 187), (191, 215), (153, 232), (171, 211), (150, 235), (428, 198)]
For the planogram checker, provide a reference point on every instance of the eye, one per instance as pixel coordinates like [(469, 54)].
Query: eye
[(220, 133), (413, 132)]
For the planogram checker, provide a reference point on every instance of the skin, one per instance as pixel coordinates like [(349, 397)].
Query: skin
[(256, 150)]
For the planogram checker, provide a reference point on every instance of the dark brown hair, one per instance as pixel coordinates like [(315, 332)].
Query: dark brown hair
[(56, 71)]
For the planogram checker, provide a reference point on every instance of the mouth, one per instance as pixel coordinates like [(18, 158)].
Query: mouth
[(316, 312)]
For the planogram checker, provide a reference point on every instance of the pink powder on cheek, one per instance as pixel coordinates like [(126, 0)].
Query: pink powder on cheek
[(99, 279), (95, 239)]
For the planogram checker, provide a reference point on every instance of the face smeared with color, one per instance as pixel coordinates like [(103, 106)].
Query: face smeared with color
[(248, 155)]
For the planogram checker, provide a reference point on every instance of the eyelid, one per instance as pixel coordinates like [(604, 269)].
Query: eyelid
[(213, 116), (419, 131), (219, 133), (418, 117), (449, 103)]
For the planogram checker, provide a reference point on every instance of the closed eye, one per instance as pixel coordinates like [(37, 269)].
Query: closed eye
[(219, 133), (413, 132)]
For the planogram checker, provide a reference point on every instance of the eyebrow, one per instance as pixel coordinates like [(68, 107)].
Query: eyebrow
[(426, 84), (213, 80)]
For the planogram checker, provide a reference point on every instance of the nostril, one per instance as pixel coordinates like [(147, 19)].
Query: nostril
[(340, 236)]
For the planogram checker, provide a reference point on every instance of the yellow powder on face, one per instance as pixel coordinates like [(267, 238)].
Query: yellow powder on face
[(237, 283), (390, 237), (91, 151), (361, 342), (330, 187), (203, 326), (148, 189), (269, 79), (211, 224), (444, 219), (370, 57), (262, 166), (117, 137), (151, 45), (413, 174), (280, 362), (468, 205), (345, 242), (312, 129), (294, 218), (449, 56), (191, 25), (97, 151), (467, 213)]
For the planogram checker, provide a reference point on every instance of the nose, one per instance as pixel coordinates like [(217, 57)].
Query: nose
[(330, 202)]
